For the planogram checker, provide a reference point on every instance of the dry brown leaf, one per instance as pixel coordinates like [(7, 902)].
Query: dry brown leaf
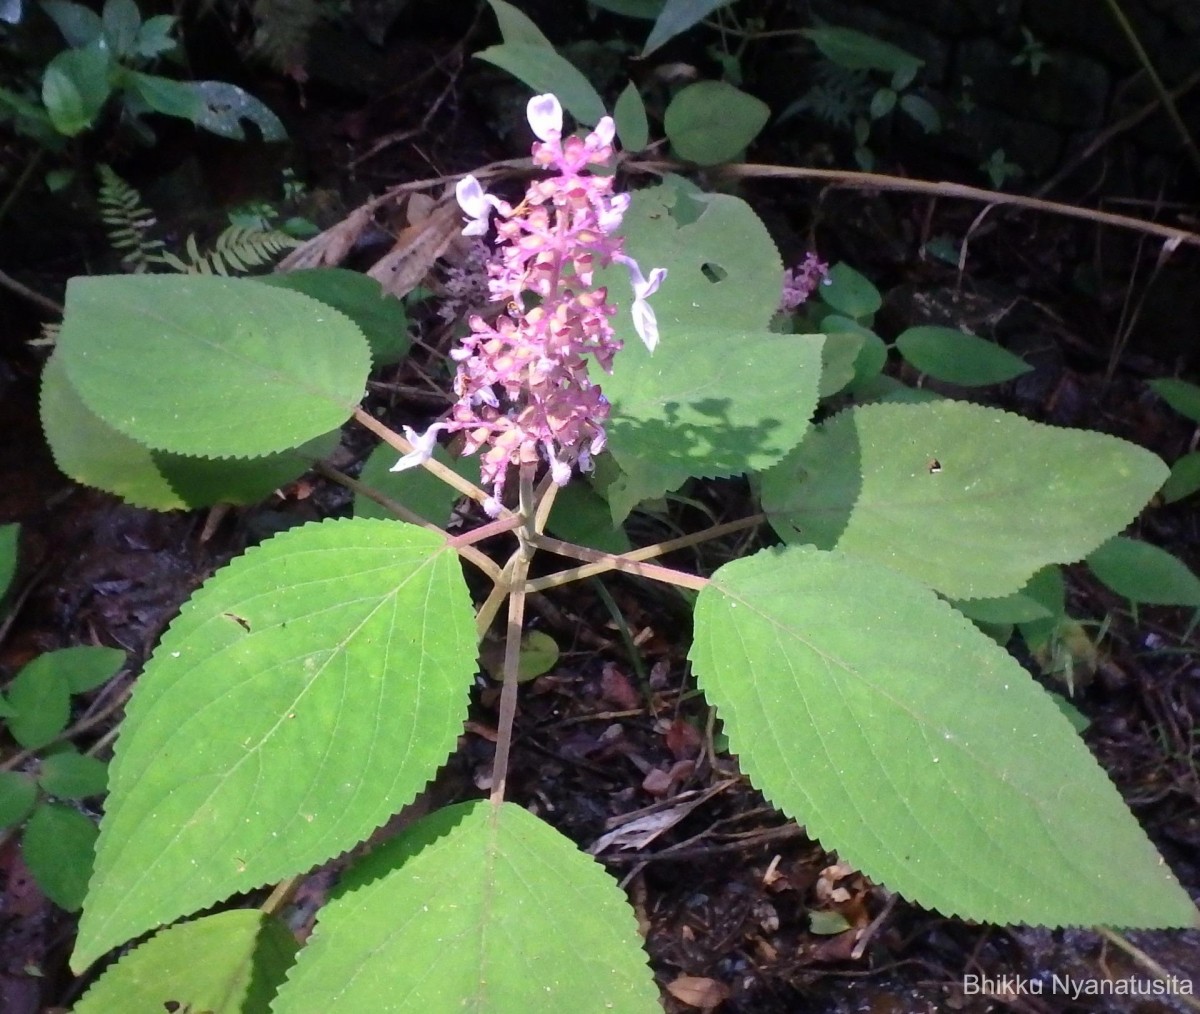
[(698, 991), (417, 247), (331, 247)]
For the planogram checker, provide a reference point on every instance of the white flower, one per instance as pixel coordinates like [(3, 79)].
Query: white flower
[(644, 321), (475, 202), (545, 117), (423, 445)]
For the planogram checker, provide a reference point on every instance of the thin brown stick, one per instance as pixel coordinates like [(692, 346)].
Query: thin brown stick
[(25, 292), (1146, 962), (958, 191)]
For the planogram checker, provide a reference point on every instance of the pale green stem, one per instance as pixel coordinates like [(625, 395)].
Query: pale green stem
[(604, 562), (512, 643), (607, 561), (447, 475)]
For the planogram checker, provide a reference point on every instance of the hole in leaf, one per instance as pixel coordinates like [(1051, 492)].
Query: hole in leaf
[(714, 272)]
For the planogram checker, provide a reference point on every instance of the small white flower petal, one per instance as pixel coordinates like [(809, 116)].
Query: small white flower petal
[(423, 445), (605, 131), (560, 472), (470, 196), (545, 116), (645, 323)]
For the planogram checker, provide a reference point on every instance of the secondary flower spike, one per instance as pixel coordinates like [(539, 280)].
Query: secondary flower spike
[(523, 388)]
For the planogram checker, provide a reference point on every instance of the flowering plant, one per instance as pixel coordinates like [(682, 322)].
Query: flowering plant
[(310, 689), (551, 245)]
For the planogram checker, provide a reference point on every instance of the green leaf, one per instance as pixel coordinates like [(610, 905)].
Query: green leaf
[(1005, 609), (839, 353), (857, 51), (86, 666), (677, 17), (165, 95), (630, 116), (224, 106), (303, 695), (122, 22), (71, 775), (75, 87), (923, 112), (210, 366), (227, 963), (719, 396), (872, 712), (711, 121), (966, 499), (538, 655), (850, 293), (41, 698), (154, 37), (9, 535), (516, 27), (381, 317), (93, 453), (18, 795), (882, 103), (80, 26), (959, 358), (1180, 395), (57, 847), (582, 516), (1048, 589), (543, 70), (1144, 573), (1183, 482), (475, 908)]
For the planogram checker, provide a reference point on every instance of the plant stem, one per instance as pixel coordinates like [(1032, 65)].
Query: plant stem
[(512, 643), (491, 605), (447, 475), (1144, 959), (607, 561), (1164, 96), (957, 191), (465, 550), (604, 562), (24, 291)]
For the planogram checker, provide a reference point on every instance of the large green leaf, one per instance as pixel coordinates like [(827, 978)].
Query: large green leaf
[(720, 395), (678, 16), (476, 908), (968, 500), (207, 366), (867, 708), (228, 963), (91, 452), (303, 695)]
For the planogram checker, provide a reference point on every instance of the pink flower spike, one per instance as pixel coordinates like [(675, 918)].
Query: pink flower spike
[(473, 200), (545, 117), (423, 445)]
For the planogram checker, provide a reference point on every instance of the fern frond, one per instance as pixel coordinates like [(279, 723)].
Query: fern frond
[(127, 221), (236, 251)]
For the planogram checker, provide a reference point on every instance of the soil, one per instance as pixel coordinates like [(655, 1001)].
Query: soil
[(733, 899)]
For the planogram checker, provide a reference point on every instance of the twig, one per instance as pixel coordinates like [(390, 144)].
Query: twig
[(958, 191), (1145, 961), (24, 291), (605, 562), (1164, 96)]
